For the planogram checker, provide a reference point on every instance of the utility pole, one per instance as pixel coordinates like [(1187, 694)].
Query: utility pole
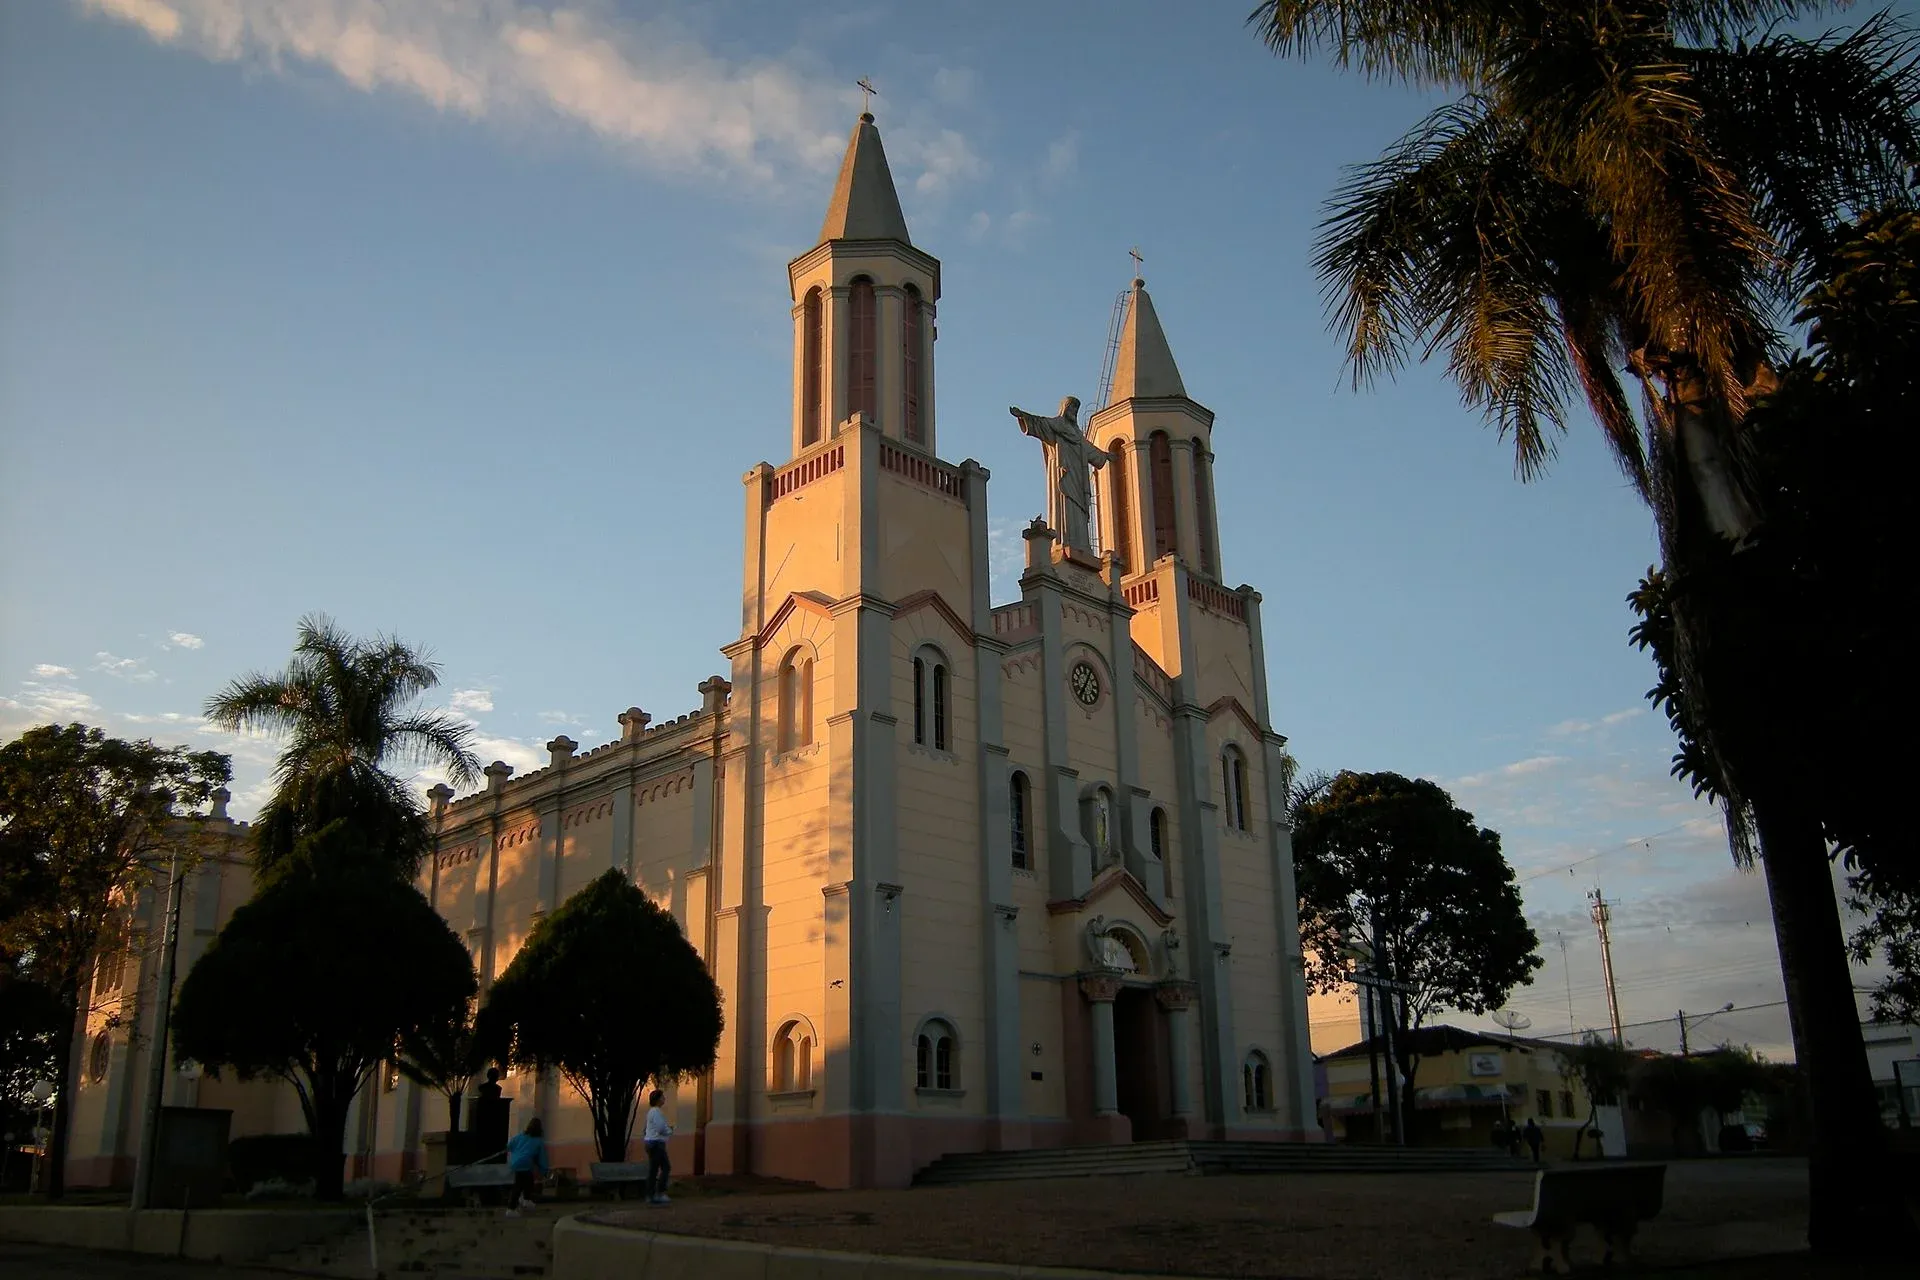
[(157, 1050), (1602, 915), (1567, 973), (1681, 1016)]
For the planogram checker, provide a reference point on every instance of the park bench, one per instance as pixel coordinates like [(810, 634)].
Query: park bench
[(476, 1182), (1614, 1199), (617, 1177)]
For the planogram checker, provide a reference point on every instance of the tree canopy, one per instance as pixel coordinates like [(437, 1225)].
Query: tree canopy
[(83, 826), (315, 979), (345, 706), (610, 992), (1391, 862), (1603, 1067)]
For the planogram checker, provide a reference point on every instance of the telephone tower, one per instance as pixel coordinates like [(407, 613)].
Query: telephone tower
[(1603, 915)]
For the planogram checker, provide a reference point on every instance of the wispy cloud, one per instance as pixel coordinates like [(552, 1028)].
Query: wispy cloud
[(122, 668), (648, 87), (38, 703), (1575, 728), (47, 671), (1063, 157), (183, 640), (471, 701)]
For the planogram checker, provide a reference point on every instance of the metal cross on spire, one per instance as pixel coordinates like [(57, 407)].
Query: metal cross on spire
[(1138, 260), (866, 87)]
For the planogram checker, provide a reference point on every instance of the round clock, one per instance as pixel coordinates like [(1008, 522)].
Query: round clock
[(1086, 683)]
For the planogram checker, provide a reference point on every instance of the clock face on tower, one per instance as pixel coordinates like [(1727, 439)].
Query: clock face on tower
[(1085, 682)]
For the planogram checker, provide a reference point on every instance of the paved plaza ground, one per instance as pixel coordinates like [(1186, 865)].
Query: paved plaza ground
[(1303, 1227)]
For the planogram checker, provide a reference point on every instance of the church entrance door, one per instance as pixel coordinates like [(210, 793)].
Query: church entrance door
[(1140, 1062)]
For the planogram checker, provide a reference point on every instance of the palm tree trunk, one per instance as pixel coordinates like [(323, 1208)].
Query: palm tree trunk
[(1854, 1201)]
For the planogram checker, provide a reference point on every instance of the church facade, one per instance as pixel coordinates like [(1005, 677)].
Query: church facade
[(969, 876)]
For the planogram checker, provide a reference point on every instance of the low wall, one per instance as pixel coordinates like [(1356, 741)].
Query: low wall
[(588, 1251), (212, 1235)]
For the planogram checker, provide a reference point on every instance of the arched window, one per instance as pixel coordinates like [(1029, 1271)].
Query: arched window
[(931, 723), (1233, 778), (912, 328), (796, 702), (1096, 825), (936, 1056), (99, 1058), (792, 1058), (1203, 506), (1019, 807), (1118, 480), (860, 350), (813, 370), (1256, 1082), (1157, 832), (1160, 463)]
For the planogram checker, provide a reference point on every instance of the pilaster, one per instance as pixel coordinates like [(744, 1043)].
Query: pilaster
[(1185, 519)]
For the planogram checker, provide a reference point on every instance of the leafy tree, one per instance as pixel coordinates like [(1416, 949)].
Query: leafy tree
[(84, 824), (1640, 189), (445, 1055), (344, 706), (609, 991), (30, 1023), (1391, 862), (315, 978), (1891, 934), (1684, 1086), (1602, 1067)]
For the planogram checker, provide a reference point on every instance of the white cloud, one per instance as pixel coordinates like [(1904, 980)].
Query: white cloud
[(979, 224), (1063, 157), (47, 671), (123, 668), (184, 640), (558, 717), (37, 703), (955, 86), (649, 87), (1621, 717), (471, 701), (946, 159)]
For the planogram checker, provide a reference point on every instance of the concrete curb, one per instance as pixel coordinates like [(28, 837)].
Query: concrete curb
[(212, 1235), (585, 1250)]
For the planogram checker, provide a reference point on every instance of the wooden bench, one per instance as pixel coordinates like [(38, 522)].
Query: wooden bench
[(1615, 1199), (476, 1181), (617, 1177)]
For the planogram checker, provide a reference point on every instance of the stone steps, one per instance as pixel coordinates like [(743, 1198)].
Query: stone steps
[(467, 1244), (1207, 1158)]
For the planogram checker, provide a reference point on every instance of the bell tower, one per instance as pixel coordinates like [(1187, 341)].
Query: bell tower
[(863, 311), (1156, 492)]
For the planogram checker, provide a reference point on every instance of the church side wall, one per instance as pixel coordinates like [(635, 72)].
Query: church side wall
[(1246, 892)]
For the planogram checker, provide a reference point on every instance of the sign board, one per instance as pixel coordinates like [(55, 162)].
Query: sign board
[(1483, 1064)]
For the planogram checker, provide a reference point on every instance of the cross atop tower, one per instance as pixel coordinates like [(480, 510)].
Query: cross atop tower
[(1138, 260), (867, 89)]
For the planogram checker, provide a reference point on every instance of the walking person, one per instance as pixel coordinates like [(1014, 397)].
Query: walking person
[(654, 1137), (527, 1157), (1535, 1137)]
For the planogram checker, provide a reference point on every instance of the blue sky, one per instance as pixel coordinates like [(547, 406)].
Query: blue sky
[(462, 320)]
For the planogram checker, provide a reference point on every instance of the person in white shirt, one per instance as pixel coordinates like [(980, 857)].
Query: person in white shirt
[(654, 1137)]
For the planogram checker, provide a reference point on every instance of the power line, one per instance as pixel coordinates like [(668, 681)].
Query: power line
[(1641, 841)]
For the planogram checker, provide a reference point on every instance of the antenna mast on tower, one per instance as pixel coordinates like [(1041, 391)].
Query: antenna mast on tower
[(1115, 325)]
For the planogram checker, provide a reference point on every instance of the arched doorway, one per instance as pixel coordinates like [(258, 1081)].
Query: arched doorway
[(1141, 1085)]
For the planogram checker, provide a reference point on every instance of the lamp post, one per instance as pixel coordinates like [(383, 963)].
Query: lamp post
[(1361, 954), (157, 1049)]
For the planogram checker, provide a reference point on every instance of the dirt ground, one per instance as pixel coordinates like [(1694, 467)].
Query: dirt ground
[(1296, 1226)]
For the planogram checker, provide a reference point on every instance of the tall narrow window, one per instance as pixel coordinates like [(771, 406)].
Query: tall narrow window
[(1118, 481), (1160, 463), (911, 330), (860, 350), (1233, 778), (1018, 803), (1256, 1081), (936, 1057), (1203, 507), (939, 707), (796, 702), (920, 702), (1157, 832), (812, 370)]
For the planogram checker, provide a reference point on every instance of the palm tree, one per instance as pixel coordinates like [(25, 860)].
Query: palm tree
[(343, 704), (1639, 191)]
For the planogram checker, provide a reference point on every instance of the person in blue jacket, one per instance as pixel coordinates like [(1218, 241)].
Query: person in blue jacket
[(527, 1157)]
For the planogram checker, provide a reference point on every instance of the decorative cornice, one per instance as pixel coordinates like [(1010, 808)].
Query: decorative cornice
[(931, 599), (812, 601), (1221, 705)]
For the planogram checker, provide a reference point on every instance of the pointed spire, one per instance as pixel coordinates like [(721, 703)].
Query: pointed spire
[(865, 205), (1145, 365)]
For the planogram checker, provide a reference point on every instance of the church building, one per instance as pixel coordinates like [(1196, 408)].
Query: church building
[(970, 876)]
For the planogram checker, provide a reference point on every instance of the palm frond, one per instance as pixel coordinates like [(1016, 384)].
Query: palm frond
[(1819, 130), (256, 701), (1428, 42), (436, 738)]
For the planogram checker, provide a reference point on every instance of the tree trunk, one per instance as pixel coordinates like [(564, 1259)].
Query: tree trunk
[(453, 1112), (54, 1182), (1855, 1205), (331, 1100)]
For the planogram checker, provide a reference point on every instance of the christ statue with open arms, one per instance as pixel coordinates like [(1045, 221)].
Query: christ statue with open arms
[(1070, 456)]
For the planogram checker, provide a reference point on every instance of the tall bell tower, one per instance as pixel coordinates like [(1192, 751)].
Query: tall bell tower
[(863, 311)]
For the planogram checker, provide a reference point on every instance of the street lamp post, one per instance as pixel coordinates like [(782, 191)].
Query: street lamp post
[(157, 1049)]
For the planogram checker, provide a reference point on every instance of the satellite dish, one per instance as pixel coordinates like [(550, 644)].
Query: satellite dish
[(1511, 1020)]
